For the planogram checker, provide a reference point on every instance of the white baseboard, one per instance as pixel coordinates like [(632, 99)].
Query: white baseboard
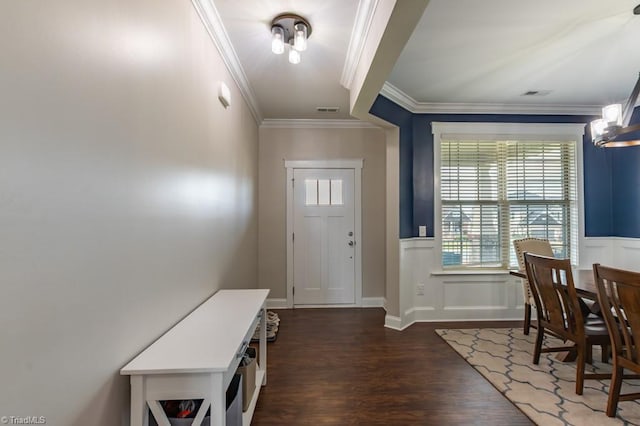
[(277, 303), (373, 302), (426, 314), (367, 302), (324, 306), (394, 323)]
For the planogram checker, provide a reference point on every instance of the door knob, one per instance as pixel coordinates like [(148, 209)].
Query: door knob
[(351, 243)]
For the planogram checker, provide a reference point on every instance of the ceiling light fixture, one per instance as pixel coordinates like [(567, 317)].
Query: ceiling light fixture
[(609, 131), (292, 30), (613, 129)]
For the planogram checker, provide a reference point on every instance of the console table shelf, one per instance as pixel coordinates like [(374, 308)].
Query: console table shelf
[(197, 358)]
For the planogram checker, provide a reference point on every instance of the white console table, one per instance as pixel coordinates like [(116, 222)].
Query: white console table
[(197, 358)]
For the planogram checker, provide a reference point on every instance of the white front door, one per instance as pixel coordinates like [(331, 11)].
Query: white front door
[(323, 236)]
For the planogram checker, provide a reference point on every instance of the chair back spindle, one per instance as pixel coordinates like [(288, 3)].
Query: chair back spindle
[(555, 292), (559, 314), (619, 299)]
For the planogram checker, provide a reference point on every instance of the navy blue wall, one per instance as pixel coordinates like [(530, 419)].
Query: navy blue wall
[(416, 166), (402, 118), (598, 189), (626, 187)]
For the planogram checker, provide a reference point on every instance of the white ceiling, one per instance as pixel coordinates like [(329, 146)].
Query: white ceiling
[(582, 53), (284, 90)]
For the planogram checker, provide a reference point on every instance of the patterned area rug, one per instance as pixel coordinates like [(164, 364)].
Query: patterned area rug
[(544, 392)]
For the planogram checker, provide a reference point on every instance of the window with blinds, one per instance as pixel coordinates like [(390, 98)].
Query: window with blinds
[(493, 192)]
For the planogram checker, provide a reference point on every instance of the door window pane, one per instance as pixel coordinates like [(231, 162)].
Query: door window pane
[(323, 192), (324, 197), (311, 192), (336, 192)]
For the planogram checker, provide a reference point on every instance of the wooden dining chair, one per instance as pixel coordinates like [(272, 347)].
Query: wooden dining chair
[(559, 314), (535, 246), (619, 298)]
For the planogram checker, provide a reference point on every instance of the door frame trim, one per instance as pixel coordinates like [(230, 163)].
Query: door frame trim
[(356, 166)]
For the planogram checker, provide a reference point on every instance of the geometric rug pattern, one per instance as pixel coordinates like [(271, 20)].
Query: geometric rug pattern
[(544, 392)]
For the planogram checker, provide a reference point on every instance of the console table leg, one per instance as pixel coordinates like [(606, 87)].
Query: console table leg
[(139, 411), (263, 345), (218, 401)]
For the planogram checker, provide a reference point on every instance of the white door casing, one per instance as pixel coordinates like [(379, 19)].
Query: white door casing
[(324, 267)]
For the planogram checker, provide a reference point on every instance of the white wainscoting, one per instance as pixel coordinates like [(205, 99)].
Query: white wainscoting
[(596, 250), (367, 302), (465, 296), (617, 252), (627, 254)]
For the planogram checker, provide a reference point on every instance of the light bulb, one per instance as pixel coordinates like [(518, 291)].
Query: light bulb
[(597, 128), (277, 39), (300, 36), (612, 114), (294, 56)]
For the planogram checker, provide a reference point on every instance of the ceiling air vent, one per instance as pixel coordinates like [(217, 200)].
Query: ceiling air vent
[(327, 109), (536, 93)]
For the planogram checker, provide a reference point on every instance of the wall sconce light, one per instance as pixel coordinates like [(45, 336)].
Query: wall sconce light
[(291, 30), (608, 131)]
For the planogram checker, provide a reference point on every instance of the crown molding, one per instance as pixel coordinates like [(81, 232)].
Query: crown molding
[(396, 95), (359, 33), (301, 123), (213, 24)]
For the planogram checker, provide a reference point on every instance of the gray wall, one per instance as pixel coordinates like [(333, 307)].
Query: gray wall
[(128, 195), (279, 144)]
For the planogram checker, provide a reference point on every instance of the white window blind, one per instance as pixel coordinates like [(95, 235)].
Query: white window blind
[(495, 191)]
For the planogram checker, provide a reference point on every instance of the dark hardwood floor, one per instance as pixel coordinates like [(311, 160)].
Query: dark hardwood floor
[(343, 367)]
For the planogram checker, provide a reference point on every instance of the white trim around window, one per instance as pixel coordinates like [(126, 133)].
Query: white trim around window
[(514, 131)]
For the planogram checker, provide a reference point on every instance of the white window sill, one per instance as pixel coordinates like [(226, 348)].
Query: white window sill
[(470, 272)]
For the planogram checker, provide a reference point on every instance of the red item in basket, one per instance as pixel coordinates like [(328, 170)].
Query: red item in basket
[(186, 408)]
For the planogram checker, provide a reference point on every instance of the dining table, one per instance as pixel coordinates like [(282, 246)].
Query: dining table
[(585, 286), (582, 280)]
